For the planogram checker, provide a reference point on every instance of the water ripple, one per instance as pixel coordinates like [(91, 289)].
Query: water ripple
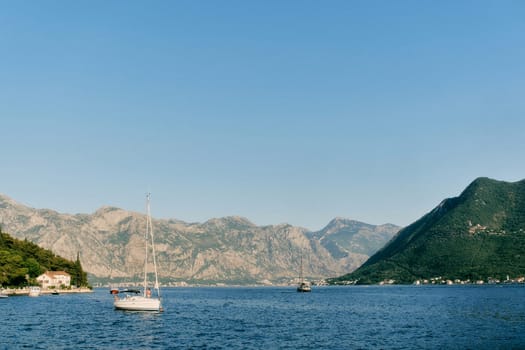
[(390, 317)]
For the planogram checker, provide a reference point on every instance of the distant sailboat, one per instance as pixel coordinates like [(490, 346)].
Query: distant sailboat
[(134, 299), (304, 286)]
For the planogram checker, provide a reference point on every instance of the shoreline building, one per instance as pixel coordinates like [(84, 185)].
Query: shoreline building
[(54, 279)]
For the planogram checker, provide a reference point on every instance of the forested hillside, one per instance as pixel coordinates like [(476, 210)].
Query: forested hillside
[(22, 261), (476, 236)]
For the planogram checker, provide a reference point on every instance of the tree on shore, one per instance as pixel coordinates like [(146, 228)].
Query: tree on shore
[(22, 261)]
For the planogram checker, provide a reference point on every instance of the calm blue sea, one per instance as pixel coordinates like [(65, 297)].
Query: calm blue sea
[(355, 317)]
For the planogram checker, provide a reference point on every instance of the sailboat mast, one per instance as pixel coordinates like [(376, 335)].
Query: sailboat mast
[(301, 271), (146, 237), (154, 254)]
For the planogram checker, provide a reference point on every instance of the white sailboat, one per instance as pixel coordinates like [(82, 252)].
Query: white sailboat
[(134, 299)]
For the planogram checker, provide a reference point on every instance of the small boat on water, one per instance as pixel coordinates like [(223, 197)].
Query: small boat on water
[(55, 292), (34, 291), (3, 295), (135, 299), (304, 285)]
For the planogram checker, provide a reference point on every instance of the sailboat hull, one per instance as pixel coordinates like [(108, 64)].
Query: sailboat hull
[(138, 303), (304, 287)]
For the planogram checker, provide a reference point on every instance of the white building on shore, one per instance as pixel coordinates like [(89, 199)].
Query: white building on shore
[(54, 279)]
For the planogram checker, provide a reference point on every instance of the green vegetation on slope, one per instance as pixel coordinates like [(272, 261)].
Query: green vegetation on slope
[(478, 235), (22, 261)]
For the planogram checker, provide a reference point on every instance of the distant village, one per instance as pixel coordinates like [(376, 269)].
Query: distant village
[(262, 283), (441, 281), (444, 281)]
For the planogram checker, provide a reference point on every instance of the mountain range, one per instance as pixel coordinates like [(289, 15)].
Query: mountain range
[(230, 250), (478, 235)]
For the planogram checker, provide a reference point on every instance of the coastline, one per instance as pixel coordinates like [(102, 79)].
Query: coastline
[(25, 291)]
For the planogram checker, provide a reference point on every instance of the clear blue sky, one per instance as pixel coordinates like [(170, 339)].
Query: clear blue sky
[(278, 111)]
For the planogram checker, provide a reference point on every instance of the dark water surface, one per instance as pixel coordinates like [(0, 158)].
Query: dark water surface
[(374, 317)]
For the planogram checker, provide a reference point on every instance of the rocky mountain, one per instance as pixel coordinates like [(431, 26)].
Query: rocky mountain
[(477, 235), (226, 250), (344, 236)]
